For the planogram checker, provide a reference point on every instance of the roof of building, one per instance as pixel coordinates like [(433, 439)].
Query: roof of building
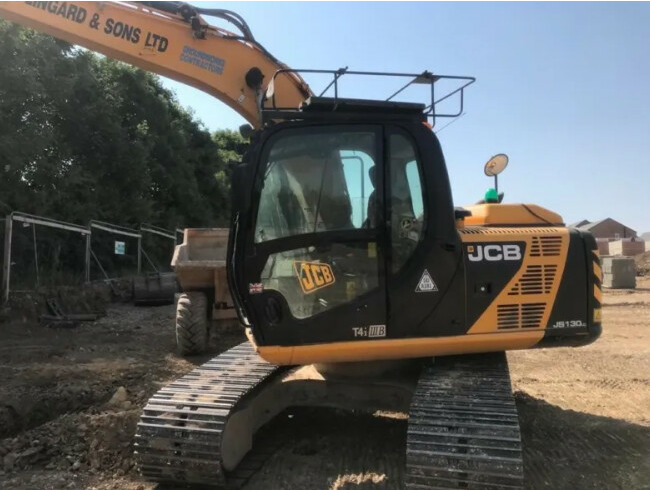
[(591, 226), (580, 223)]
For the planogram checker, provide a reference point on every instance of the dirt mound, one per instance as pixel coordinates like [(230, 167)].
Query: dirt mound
[(642, 264), (100, 441), (70, 398), (28, 306), (26, 408)]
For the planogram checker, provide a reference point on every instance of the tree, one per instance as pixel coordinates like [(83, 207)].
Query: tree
[(231, 146), (86, 137)]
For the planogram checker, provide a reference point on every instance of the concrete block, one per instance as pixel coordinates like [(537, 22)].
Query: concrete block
[(619, 272)]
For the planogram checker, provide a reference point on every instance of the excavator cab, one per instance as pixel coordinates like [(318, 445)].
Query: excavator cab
[(343, 217), (345, 244)]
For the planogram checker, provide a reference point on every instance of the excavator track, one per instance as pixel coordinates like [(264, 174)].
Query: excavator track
[(178, 439), (463, 429)]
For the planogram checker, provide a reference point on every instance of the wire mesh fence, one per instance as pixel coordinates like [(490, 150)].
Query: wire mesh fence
[(113, 250), (39, 251), (157, 248)]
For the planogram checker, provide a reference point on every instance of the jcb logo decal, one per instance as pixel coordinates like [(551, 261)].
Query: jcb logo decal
[(313, 275), (494, 252)]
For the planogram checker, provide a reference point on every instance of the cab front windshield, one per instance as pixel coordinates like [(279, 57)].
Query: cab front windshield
[(317, 182)]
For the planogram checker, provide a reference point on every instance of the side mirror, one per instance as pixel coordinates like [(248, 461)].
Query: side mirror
[(496, 165), (493, 168)]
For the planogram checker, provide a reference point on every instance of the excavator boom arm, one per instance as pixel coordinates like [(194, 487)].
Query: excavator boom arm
[(172, 40)]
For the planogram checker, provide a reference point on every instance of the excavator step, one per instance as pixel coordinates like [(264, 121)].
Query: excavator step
[(178, 440), (463, 429)]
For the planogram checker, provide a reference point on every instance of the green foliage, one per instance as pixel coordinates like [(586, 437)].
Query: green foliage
[(86, 137)]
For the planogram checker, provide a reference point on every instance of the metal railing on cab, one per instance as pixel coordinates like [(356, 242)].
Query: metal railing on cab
[(456, 86)]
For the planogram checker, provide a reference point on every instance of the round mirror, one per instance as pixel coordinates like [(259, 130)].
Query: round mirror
[(496, 164)]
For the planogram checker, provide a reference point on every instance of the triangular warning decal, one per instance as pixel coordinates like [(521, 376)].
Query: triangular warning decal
[(426, 284)]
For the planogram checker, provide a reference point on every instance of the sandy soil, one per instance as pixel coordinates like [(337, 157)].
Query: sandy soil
[(65, 422)]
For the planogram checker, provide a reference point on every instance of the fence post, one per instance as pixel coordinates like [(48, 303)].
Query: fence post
[(6, 264), (88, 238), (139, 254), (38, 280)]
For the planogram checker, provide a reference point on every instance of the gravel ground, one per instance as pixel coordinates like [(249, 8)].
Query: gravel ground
[(70, 400)]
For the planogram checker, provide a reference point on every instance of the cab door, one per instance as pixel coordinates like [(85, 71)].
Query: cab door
[(308, 253), (425, 286)]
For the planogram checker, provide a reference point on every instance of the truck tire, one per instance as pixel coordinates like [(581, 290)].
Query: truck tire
[(192, 323)]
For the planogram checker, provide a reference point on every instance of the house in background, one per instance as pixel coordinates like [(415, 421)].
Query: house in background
[(613, 237), (607, 228)]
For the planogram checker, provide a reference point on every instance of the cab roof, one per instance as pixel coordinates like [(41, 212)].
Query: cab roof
[(341, 109)]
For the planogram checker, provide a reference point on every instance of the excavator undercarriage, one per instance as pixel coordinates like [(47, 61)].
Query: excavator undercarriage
[(463, 430)]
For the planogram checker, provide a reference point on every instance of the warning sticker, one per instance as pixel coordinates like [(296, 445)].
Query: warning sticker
[(426, 284)]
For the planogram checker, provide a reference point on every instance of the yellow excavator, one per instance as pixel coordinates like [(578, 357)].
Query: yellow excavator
[(358, 283)]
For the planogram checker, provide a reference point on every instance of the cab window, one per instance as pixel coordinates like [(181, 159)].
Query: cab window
[(315, 183), (406, 202)]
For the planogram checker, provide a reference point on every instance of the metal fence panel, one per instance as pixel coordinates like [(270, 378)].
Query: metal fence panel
[(40, 251)]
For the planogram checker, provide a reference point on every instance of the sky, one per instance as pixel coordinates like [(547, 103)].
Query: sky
[(562, 88)]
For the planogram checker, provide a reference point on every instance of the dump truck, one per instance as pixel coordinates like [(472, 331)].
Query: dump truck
[(204, 299)]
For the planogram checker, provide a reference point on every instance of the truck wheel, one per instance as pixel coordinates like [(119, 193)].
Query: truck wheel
[(192, 323)]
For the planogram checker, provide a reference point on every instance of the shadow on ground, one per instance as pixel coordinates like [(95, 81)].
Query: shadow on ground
[(563, 449)]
